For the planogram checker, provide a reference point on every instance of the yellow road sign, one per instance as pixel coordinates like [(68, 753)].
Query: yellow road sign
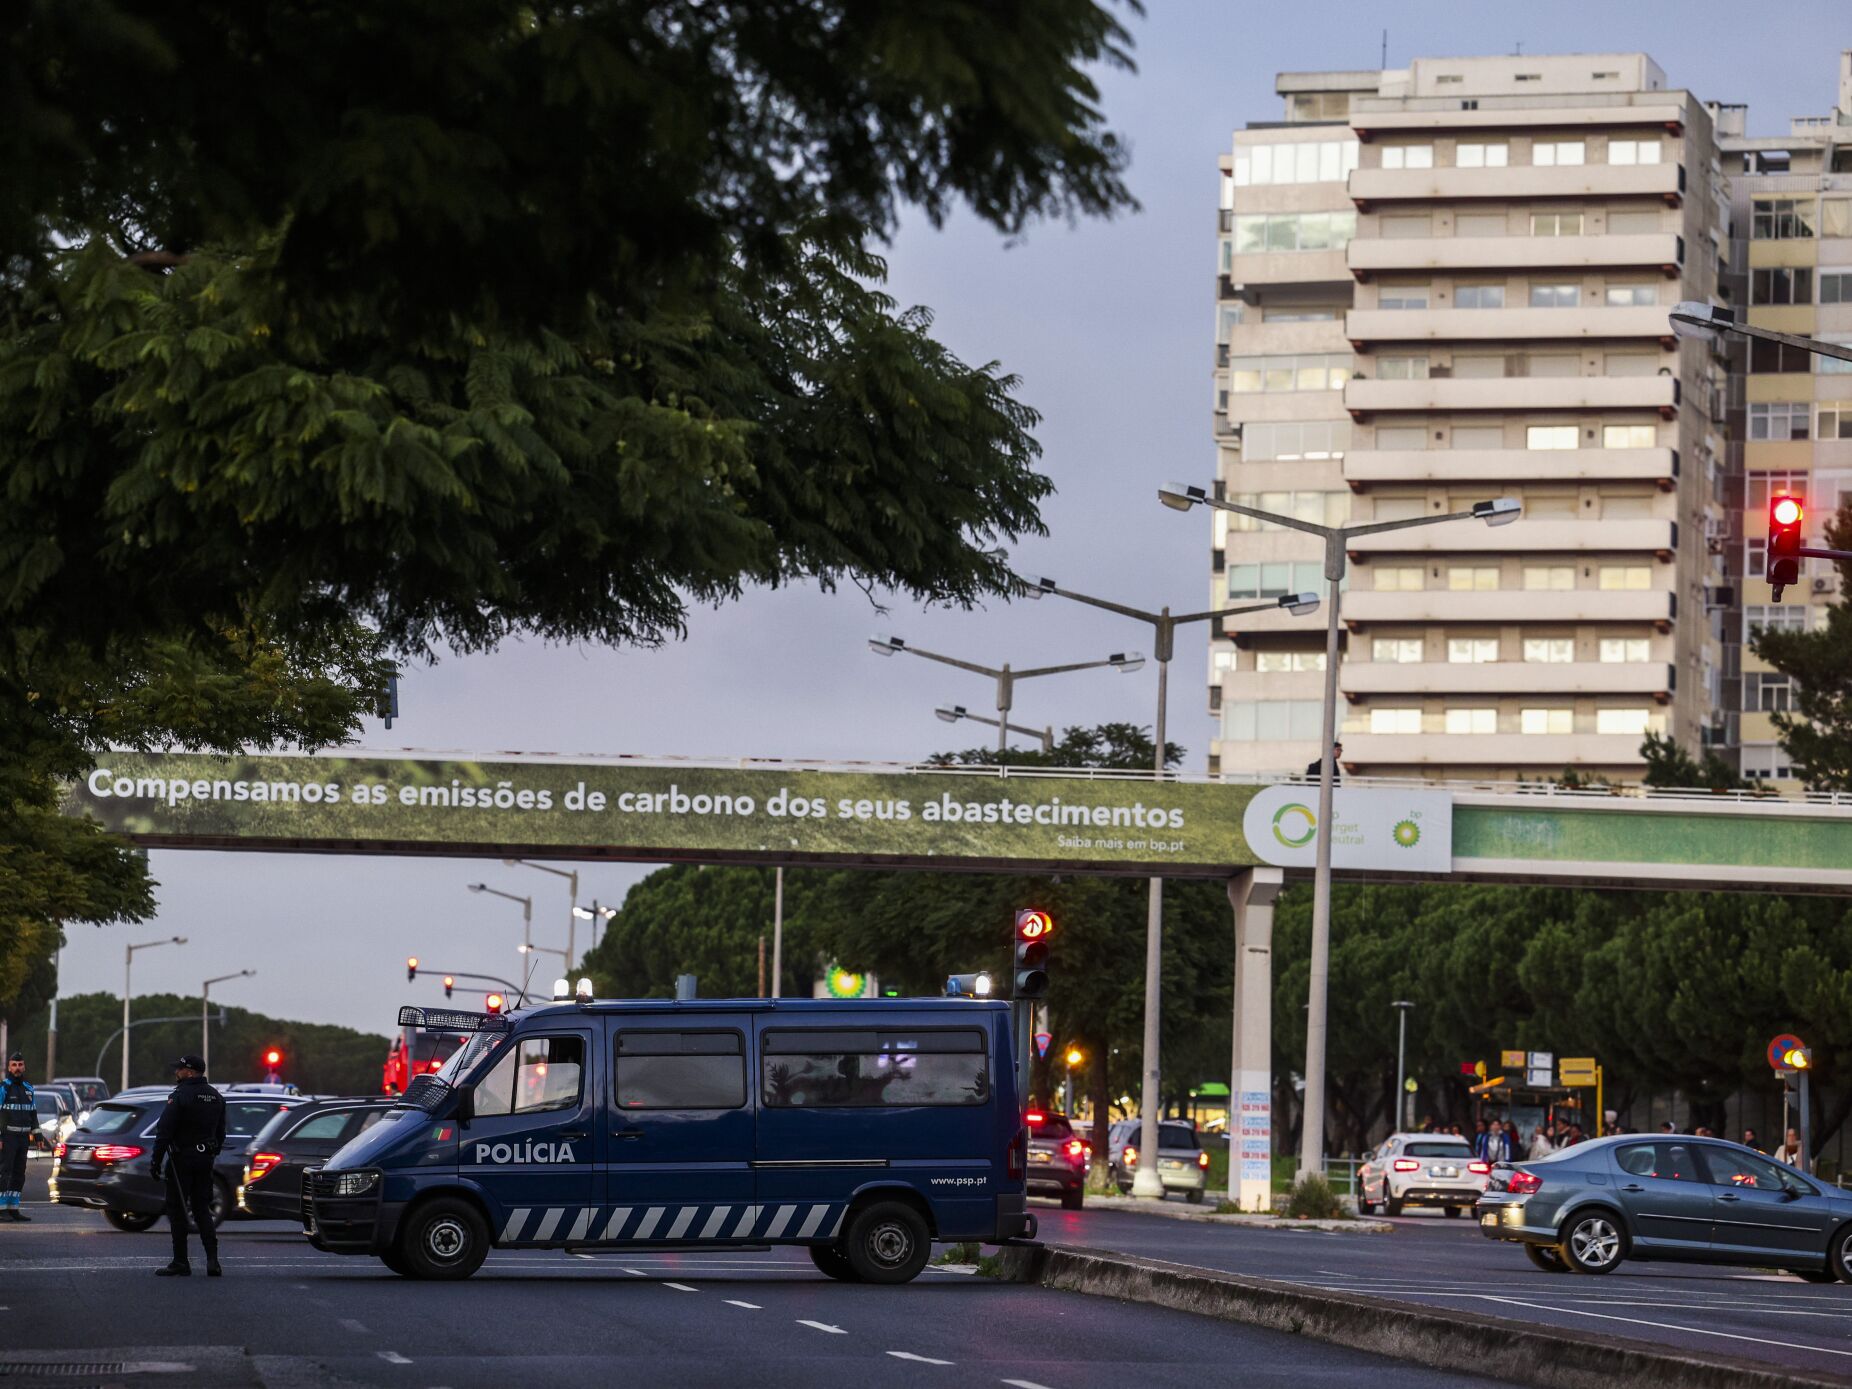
[(1576, 1070), (1512, 1059)]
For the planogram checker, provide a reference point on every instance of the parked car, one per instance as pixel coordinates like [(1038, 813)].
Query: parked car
[(1421, 1169), (302, 1136), (1058, 1159), (1182, 1164), (91, 1090), (104, 1163), (1587, 1208)]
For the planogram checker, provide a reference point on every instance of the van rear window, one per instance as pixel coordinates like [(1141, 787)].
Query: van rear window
[(862, 1068)]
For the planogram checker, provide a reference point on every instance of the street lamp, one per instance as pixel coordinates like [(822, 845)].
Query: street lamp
[(205, 1030), (540, 949), (1706, 322), (1146, 1181), (1401, 1006), (572, 878), (1125, 662), (1497, 512), (128, 965), (595, 914), (952, 713)]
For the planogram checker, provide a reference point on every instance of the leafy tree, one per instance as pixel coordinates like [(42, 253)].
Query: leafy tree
[(1817, 736), (1669, 765)]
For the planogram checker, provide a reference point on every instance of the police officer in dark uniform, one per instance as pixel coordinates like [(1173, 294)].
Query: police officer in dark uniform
[(19, 1120), (186, 1140)]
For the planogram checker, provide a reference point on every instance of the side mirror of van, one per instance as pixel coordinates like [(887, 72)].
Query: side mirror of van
[(466, 1105)]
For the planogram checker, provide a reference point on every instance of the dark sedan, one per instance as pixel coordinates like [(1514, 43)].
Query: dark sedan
[(104, 1164), (305, 1136), (1586, 1208), (1058, 1159)]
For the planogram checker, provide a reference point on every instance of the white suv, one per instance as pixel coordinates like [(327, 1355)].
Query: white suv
[(1421, 1169)]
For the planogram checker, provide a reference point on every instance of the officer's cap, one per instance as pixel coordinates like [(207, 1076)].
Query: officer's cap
[(189, 1062), (17, 1056)]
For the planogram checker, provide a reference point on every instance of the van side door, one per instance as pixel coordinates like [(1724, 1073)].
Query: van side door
[(532, 1144), (681, 1119)]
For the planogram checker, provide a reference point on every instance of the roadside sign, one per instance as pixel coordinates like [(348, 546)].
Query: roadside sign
[(1042, 1039), (1539, 1068), (1780, 1047), (1512, 1059), (1576, 1071)]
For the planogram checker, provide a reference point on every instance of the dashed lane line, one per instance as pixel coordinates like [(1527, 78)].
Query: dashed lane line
[(1024, 1384), (731, 1302), (392, 1357), (349, 1324), (822, 1326), (1670, 1326), (921, 1359), (681, 1287)]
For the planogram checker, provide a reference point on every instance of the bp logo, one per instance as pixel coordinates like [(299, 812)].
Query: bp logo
[(1294, 825), (846, 983), (1407, 833)]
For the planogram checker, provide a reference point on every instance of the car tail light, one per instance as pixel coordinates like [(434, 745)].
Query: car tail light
[(1075, 1148), (1407, 1165), (1523, 1183), (1479, 1169), (1035, 1118), (117, 1152), (58, 1151), (1129, 1157), (259, 1164), (1202, 1159), (1019, 1148)]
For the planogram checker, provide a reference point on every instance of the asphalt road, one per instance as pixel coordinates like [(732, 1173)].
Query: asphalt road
[(73, 1289), (1755, 1314)]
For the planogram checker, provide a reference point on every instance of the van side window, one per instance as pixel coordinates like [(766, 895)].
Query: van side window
[(535, 1074), (680, 1070), (860, 1068)]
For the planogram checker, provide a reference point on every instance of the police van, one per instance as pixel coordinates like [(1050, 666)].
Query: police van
[(862, 1130)]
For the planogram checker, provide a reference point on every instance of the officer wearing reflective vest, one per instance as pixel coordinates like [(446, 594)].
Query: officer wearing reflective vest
[(19, 1120), (188, 1136)]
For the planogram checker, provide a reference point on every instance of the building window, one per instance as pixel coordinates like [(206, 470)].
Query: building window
[(1766, 356), (1396, 650), (1549, 578), (1549, 651), (1292, 440), (1781, 285), (1395, 720), (1629, 436), (1632, 296), (1631, 577), (1481, 156), (1479, 297), (1402, 297), (1836, 217), (1299, 313), (1761, 486), (1260, 232), (1555, 296), (1400, 578), (1630, 721), (1284, 720), (1633, 151), (1836, 285), (1320, 508), (1285, 662), (1546, 721), (1556, 152), (1773, 617), (1633, 223), (1273, 579), (1624, 651), (1556, 224), (1781, 219), (1402, 369), (1312, 161), (1778, 420), (1408, 156), (1836, 420), (1766, 762), (1472, 651), (1552, 436), (1473, 579), (1472, 721), (1307, 372), (1765, 692)]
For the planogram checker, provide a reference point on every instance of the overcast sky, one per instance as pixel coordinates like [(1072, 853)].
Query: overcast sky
[(1110, 327)]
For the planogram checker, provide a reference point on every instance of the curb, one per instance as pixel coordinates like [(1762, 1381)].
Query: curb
[(1439, 1338), (1254, 1221)]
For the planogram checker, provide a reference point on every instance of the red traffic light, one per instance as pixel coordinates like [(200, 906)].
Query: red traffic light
[(1785, 514), (1785, 511), (1034, 925), (273, 1058)]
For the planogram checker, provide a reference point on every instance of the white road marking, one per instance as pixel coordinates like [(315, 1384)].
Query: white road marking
[(923, 1359), (1025, 1384), (574, 1254), (681, 1287), (822, 1326), (392, 1357), (1671, 1326), (351, 1325), (731, 1302), (637, 1271)]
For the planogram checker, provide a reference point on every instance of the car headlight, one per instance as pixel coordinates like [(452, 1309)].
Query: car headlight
[(355, 1183)]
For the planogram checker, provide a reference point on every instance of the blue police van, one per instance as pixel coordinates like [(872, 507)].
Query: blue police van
[(862, 1130)]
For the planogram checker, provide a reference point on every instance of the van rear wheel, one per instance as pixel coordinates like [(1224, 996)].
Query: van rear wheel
[(445, 1240), (830, 1260), (887, 1243)]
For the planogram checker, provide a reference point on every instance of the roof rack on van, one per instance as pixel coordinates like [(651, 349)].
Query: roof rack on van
[(451, 1020)]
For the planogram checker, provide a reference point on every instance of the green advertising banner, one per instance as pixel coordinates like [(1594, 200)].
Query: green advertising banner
[(661, 812)]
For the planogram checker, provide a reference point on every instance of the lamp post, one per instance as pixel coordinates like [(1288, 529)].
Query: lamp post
[(572, 919), (1704, 322), (595, 914), (128, 967), (952, 713), (1401, 1006), (205, 998), (1125, 662), (1164, 624), (1497, 512)]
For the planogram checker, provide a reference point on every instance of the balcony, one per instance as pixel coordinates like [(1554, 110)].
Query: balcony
[(1523, 465), (1663, 251), (1363, 326), (1363, 608), (1667, 181), (1421, 116), (1367, 752), (1361, 397), (1285, 271), (1550, 534), (1505, 678)]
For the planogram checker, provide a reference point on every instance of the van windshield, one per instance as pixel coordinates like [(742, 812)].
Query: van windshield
[(479, 1045)]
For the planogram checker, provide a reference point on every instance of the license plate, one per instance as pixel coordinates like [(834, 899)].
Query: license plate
[(1040, 1157), (1170, 1165), (1489, 1219), (78, 1154), (1443, 1171)]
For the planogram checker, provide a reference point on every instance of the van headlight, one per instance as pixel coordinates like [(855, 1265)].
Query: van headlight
[(355, 1183)]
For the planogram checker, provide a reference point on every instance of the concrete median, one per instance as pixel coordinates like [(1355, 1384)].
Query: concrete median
[(1497, 1348)]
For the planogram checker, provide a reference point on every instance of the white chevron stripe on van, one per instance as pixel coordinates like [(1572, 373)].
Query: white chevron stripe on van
[(615, 1226), (748, 1218), (648, 1225), (515, 1219), (714, 1222), (549, 1224), (582, 1224), (835, 1229), (811, 1221), (779, 1221), (682, 1222)]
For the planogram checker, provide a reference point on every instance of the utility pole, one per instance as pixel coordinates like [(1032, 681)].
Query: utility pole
[(778, 931), (1401, 1006)]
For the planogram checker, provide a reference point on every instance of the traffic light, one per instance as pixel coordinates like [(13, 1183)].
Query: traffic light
[(1784, 542), (273, 1058), (411, 967), (449, 984), (1033, 928)]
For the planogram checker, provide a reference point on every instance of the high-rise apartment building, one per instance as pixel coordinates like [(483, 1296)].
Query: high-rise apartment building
[(1791, 413), (1449, 283)]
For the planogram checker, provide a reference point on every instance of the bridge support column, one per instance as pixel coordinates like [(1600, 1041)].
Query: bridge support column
[(1250, 1088)]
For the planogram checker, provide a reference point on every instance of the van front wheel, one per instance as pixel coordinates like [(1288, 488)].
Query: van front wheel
[(887, 1243), (446, 1239), (830, 1260)]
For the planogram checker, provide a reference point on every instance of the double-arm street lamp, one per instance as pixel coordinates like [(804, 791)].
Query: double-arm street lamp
[(952, 713), (1497, 512), (1163, 624), (1125, 662)]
